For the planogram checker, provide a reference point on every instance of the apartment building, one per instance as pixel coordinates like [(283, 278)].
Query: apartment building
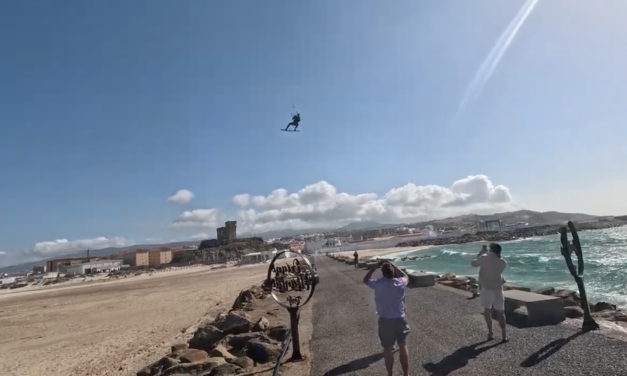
[(158, 257), (136, 257)]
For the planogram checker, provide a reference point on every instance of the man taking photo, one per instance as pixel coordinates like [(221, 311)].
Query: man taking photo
[(389, 298), (491, 267)]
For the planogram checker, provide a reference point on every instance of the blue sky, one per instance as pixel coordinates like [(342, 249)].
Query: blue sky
[(108, 108)]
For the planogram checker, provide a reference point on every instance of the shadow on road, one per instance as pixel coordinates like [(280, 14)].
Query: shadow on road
[(547, 351), (458, 359), (355, 365)]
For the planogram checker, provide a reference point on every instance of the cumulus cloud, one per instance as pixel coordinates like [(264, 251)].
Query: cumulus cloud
[(200, 218), (183, 196), (201, 236), (53, 248), (321, 205)]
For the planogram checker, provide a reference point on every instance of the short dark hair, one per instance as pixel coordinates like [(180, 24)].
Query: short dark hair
[(495, 248), (387, 270)]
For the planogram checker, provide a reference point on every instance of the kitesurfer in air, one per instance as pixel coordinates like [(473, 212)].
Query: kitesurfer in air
[(295, 121)]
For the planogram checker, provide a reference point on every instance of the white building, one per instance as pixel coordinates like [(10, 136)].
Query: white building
[(92, 267)]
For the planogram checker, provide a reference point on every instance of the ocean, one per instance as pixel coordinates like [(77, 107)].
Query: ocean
[(537, 262)]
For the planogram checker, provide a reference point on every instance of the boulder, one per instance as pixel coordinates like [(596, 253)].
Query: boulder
[(569, 302), (611, 315), (247, 296), (178, 347), (546, 291), (194, 368), (206, 338), (262, 351), (192, 355), (157, 367), (221, 352), (603, 306), (239, 341), (447, 277), (573, 312), (226, 369), (507, 287), (261, 325), (235, 323), (243, 362), (278, 333)]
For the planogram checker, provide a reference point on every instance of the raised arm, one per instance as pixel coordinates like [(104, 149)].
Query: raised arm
[(368, 275), (398, 273), (477, 261)]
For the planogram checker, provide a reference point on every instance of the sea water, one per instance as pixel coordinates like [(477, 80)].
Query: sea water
[(538, 262)]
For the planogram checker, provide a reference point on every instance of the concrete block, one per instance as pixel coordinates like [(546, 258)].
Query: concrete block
[(541, 309), (421, 280)]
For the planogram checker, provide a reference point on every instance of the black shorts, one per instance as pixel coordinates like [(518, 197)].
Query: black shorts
[(393, 331)]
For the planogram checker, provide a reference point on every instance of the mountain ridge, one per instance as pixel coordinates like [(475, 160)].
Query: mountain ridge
[(533, 217)]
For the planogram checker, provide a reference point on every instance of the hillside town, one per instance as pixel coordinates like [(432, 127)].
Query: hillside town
[(228, 249)]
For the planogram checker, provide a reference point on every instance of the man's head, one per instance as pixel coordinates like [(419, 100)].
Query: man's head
[(496, 249), (387, 270)]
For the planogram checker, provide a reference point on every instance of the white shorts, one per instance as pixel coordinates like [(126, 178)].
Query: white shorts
[(492, 298)]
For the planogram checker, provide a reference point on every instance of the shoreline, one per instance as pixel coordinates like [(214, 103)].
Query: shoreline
[(371, 253), (505, 236)]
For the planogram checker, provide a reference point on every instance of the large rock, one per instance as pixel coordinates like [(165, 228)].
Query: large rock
[(243, 362), (226, 369), (248, 296), (573, 312), (278, 333), (546, 291), (447, 277), (221, 352), (603, 306), (262, 351), (507, 287), (261, 325), (206, 338), (192, 355), (157, 367), (239, 341), (611, 315), (235, 323), (194, 368), (569, 302)]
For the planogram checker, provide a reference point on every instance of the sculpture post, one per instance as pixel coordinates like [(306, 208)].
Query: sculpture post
[(577, 273)]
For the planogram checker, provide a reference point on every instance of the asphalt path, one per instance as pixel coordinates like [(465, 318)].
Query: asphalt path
[(448, 336)]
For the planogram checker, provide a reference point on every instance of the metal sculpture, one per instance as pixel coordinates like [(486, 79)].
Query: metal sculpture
[(577, 273), (302, 280)]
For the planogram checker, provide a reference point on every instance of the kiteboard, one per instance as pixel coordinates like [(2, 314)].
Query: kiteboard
[(290, 130)]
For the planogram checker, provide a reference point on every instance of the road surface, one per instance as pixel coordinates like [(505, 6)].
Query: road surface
[(447, 336)]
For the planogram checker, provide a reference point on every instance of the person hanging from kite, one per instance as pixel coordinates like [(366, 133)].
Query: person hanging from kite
[(295, 122)]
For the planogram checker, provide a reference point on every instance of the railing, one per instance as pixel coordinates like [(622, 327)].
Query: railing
[(279, 361)]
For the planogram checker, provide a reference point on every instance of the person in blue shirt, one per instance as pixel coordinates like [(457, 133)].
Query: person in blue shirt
[(389, 298)]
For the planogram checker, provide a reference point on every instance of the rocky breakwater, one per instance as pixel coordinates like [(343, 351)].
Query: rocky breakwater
[(234, 343), (570, 299), (502, 236)]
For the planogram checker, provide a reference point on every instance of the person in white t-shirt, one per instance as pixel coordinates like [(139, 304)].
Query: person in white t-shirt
[(491, 267)]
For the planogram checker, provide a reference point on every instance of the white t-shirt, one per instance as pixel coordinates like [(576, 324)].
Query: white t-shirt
[(491, 268)]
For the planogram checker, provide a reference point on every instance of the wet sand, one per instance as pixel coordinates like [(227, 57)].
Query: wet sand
[(111, 328)]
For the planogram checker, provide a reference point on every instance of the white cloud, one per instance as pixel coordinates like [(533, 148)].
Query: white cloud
[(320, 205), (200, 218), (241, 199), (53, 248), (201, 236), (182, 197)]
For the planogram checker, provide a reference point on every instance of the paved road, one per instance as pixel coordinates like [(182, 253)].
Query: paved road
[(447, 336)]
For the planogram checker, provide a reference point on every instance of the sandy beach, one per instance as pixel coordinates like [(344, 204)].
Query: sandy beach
[(111, 328)]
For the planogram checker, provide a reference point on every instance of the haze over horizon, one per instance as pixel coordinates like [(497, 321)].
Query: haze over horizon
[(161, 128)]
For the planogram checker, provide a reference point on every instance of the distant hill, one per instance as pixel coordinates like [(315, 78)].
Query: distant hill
[(93, 253), (534, 218), (363, 225)]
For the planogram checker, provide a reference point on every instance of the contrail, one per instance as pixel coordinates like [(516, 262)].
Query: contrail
[(496, 54)]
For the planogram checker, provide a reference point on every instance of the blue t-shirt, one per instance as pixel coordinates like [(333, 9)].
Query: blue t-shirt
[(389, 296)]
